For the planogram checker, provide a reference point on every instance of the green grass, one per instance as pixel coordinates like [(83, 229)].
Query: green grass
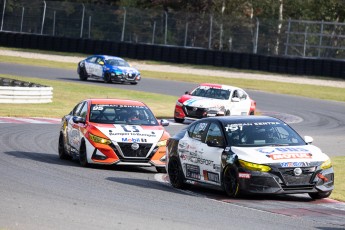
[(66, 95)]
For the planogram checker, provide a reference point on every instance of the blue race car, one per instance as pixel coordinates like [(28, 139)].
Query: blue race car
[(109, 69)]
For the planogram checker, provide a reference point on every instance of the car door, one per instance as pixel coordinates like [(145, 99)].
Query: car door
[(239, 102), (90, 65), (188, 148), (209, 151), (98, 67), (74, 129)]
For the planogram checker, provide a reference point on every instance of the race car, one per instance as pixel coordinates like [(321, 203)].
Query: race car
[(113, 132), (109, 69), (208, 100), (248, 155)]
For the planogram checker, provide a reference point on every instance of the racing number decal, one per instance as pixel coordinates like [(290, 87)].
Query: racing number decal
[(130, 128)]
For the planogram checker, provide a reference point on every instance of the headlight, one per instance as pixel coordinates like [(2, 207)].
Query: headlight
[(179, 103), (254, 167), (162, 143), (327, 164), (98, 139)]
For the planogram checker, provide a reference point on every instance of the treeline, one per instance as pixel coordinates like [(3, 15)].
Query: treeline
[(316, 10)]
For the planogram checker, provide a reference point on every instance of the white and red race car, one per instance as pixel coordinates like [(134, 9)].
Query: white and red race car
[(113, 131), (208, 100)]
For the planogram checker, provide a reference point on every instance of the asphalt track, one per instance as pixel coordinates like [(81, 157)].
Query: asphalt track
[(40, 191)]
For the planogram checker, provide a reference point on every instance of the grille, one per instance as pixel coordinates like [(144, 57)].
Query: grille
[(131, 76), (194, 112), (141, 152), (290, 178)]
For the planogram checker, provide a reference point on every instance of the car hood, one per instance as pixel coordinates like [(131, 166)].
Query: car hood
[(279, 154), (203, 102), (129, 70), (132, 133)]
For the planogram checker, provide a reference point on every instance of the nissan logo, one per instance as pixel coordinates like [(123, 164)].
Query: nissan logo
[(297, 171), (135, 146)]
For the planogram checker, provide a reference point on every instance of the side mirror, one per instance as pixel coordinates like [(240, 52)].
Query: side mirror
[(77, 119), (187, 92), (214, 143), (164, 122), (235, 99), (308, 139)]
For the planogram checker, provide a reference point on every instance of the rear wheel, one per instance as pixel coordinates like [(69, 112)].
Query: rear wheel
[(319, 195), (83, 156), (178, 120), (82, 74), (62, 152), (176, 175), (230, 181)]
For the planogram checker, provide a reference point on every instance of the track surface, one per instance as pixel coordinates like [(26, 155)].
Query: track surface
[(40, 191)]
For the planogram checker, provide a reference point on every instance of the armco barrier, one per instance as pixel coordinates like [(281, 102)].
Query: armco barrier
[(14, 91), (174, 54)]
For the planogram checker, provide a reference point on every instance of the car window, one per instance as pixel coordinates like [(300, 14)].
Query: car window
[(199, 131), (262, 133), (76, 110), (242, 95), (83, 110), (214, 134), (210, 92), (92, 59), (122, 114)]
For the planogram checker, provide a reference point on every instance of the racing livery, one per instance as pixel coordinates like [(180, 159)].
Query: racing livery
[(208, 100), (113, 131), (109, 69), (248, 154)]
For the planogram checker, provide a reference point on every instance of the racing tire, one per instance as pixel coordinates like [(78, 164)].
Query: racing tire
[(82, 74), (230, 183), (107, 78), (178, 120), (175, 173), (319, 195), (134, 83), (161, 170), (83, 155), (61, 148)]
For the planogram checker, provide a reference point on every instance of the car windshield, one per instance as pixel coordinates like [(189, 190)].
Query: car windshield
[(122, 114), (117, 62), (270, 133), (209, 92)]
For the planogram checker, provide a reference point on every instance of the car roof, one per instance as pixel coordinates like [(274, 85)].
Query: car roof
[(243, 119), (106, 57), (220, 86), (114, 101)]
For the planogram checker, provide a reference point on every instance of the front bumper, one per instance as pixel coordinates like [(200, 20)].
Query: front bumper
[(188, 112), (283, 181), (126, 77)]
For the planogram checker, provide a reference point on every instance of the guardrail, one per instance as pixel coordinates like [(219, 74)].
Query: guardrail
[(20, 92)]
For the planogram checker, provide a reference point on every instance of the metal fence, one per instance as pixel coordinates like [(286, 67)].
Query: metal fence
[(208, 31)]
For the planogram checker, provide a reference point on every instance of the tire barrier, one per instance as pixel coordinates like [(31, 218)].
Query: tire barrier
[(21, 92), (182, 55)]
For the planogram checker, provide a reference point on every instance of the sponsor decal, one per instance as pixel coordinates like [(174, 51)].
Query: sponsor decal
[(196, 160), (130, 140), (290, 156), (216, 167), (210, 176), (244, 175), (193, 171), (294, 164), (234, 127)]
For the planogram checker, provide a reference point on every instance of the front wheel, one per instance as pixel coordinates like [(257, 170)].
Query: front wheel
[(176, 175), (231, 184), (83, 156), (107, 78), (134, 83), (319, 195)]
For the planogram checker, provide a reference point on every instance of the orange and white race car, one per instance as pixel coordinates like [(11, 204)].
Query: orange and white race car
[(113, 131)]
